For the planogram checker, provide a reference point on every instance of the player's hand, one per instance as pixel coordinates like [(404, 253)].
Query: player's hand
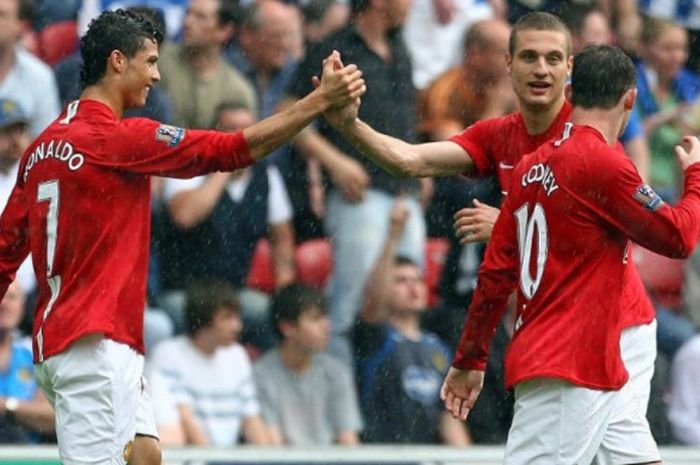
[(351, 178), (474, 224), (340, 85), (460, 390), (688, 152)]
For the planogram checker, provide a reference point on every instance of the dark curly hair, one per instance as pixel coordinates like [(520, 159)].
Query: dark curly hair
[(113, 30)]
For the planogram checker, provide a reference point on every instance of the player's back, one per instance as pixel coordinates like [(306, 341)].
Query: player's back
[(572, 263), (89, 228)]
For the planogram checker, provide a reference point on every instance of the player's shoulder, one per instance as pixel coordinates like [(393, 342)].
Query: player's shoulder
[(503, 124)]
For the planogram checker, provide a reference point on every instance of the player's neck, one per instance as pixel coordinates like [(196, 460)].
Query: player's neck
[(606, 122), (295, 358), (538, 119), (102, 93)]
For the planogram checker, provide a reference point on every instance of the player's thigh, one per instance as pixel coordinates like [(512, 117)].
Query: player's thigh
[(556, 422), (95, 386), (638, 350), (628, 439)]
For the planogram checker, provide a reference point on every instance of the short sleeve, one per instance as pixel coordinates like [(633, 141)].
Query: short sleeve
[(345, 409), (474, 141)]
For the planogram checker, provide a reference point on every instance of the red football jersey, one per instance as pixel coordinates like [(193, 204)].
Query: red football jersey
[(81, 206), (562, 240), (496, 145)]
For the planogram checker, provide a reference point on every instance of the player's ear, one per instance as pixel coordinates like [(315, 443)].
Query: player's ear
[(117, 60), (567, 91), (629, 98)]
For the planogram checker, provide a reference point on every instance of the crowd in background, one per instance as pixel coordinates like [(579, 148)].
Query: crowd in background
[(316, 299)]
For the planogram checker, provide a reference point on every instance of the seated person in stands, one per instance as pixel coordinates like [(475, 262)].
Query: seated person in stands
[(25, 413), (400, 367), (212, 224), (307, 398), (202, 382)]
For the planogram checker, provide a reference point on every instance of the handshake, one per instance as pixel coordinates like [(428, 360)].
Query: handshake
[(342, 87)]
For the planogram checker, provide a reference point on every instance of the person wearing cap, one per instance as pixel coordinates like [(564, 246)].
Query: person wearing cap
[(25, 413), (14, 139)]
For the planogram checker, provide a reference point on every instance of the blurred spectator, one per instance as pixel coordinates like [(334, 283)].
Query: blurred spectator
[(684, 409), (666, 92), (362, 194), (14, 139), (172, 10), (202, 383), (683, 12), (267, 40), (24, 410), (213, 224), (23, 77), (322, 18), (307, 398), (400, 367), (479, 88), (158, 104), (48, 12), (194, 73), (443, 22), (589, 26)]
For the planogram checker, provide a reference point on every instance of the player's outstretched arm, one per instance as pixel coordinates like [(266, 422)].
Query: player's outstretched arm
[(338, 87), (460, 390), (395, 155)]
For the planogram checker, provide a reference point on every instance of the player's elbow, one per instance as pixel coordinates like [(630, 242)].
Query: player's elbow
[(408, 165)]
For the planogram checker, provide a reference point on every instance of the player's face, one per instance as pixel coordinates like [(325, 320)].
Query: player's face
[(227, 326), (668, 53), (141, 74), (539, 67), (312, 329), (409, 293), (11, 308)]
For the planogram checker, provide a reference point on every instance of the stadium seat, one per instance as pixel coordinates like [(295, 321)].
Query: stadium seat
[(662, 276), (314, 262), (57, 41), (261, 275), (436, 249)]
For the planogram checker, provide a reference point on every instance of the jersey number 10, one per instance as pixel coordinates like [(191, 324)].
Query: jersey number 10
[(527, 226)]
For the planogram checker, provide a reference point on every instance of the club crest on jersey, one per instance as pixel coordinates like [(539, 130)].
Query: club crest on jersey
[(648, 198), (171, 135)]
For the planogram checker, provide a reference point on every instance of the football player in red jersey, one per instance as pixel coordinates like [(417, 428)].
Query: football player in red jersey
[(572, 209), (81, 206), (539, 62)]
